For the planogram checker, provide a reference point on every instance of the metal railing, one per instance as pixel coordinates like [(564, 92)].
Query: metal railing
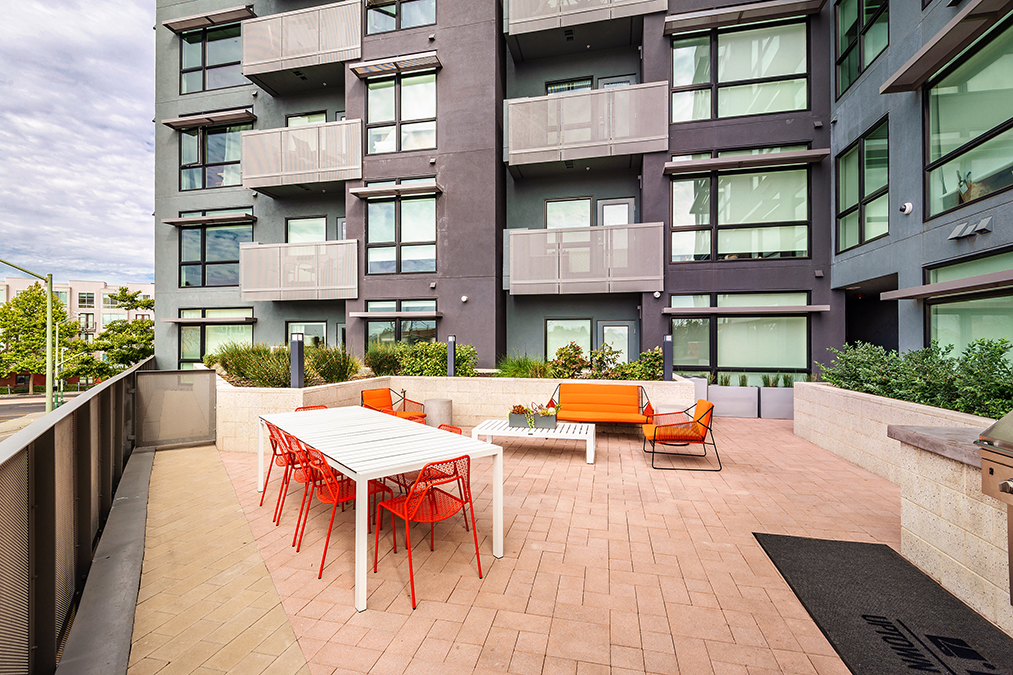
[(609, 259), (58, 477), (525, 16), (316, 153), (320, 271), (578, 125), (303, 38)]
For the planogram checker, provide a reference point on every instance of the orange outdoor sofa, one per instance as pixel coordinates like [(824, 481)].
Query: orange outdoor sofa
[(602, 403)]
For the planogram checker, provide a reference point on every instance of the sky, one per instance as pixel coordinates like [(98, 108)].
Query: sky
[(76, 139)]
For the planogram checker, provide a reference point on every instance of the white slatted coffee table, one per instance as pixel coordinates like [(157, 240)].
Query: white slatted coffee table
[(570, 431)]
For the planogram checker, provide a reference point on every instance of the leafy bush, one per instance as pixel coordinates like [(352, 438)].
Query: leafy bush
[(523, 366), (603, 363), (253, 365), (332, 364), (651, 366), (382, 358), (979, 381), (569, 363), (420, 358)]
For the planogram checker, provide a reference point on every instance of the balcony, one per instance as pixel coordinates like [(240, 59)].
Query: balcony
[(321, 271), (293, 161), (600, 123), (526, 16), (608, 259), (302, 50)]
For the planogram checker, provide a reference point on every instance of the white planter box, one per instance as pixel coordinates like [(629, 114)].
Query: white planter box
[(734, 401), (777, 403)]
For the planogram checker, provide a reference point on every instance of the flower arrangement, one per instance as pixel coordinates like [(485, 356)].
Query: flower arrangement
[(534, 410)]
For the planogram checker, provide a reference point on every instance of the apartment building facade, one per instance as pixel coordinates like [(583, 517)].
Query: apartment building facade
[(523, 173)]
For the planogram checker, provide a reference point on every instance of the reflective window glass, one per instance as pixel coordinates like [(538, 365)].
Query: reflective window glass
[(561, 332)]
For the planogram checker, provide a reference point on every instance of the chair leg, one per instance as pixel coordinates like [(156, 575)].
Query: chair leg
[(286, 479), (411, 572), (306, 490), (306, 517), (334, 509), (266, 481), (474, 533), (376, 544)]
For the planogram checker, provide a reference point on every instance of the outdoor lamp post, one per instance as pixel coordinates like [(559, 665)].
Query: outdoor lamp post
[(49, 331)]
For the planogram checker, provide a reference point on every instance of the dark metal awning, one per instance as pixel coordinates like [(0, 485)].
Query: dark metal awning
[(222, 16), (212, 320), (395, 315), (723, 311), (211, 219), (397, 64), (963, 29), (746, 161), (237, 116), (686, 22), (981, 282), (372, 192)]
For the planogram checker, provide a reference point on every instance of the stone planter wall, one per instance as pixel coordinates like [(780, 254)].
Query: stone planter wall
[(474, 399), (852, 425)]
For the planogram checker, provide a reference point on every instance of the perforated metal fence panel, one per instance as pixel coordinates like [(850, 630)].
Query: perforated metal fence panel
[(65, 518), (175, 407), (14, 575)]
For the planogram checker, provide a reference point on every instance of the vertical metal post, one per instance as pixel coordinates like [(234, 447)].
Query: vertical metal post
[(296, 361), (451, 354), (49, 343), (666, 350)]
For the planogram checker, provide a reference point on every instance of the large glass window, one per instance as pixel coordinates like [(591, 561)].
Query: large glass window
[(86, 300), (306, 230), (210, 157), (402, 328), (401, 113), (196, 340), (736, 72), (863, 32), (211, 58), (401, 235), (561, 332), (961, 323), (314, 332), (970, 110), (568, 213), (730, 216), (383, 16), (209, 254), (863, 200)]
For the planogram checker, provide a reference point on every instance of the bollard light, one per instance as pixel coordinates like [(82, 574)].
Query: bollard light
[(451, 354), (666, 349), (296, 361)]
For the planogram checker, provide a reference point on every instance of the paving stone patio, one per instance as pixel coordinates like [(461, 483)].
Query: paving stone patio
[(608, 568)]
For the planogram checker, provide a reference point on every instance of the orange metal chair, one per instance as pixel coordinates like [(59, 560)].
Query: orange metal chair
[(452, 429), (427, 503), (671, 429), (310, 407), (388, 399), (282, 456), (332, 488), (407, 479)]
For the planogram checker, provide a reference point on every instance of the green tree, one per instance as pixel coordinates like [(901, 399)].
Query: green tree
[(23, 332), (123, 343)]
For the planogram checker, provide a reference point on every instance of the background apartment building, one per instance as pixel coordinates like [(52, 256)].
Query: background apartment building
[(522, 173)]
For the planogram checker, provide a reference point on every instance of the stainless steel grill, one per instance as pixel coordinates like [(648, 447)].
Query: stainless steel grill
[(996, 449)]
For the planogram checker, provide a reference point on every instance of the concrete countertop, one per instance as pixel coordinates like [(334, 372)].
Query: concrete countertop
[(956, 443)]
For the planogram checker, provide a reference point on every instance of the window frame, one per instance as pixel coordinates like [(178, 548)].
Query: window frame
[(714, 86), (288, 232), (858, 44), (288, 331), (203, 331), (555, 200), (90, 304), (397, 17), (545, 331), (203, 68), (203, 262), (202, 152), (928, 167), (863, 199), (589, 79), (396, 243), (714, 227), (305, 114), (398, 321), (397, 122)]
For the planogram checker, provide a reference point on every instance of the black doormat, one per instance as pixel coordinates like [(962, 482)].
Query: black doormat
[(882, 614)]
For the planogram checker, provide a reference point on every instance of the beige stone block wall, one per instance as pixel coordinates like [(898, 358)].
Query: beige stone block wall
[(852, 425)]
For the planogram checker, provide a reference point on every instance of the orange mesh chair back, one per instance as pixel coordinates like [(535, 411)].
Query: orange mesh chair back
[(670, 429), (281, 456), (304, 408), (452, 429), (388, 399), (407, 479), (425, 502)]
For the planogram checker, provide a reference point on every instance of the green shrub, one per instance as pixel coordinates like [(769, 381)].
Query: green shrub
[(382, 358), (332, 364), (927, 376), (523, 366), (420, 358), (724, 380), (569, 363), (864, 367), (743, 380), (253, 365), (984, 379), (603, 363), (651, 366)]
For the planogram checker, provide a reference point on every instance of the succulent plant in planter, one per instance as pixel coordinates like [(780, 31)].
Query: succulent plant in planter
[(533, 416)]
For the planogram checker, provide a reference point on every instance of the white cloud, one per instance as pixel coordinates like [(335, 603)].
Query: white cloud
[(76, 139)]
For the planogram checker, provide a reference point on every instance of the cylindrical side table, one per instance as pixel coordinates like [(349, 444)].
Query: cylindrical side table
[(439, 411)]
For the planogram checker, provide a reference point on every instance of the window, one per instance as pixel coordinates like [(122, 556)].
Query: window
[(580, 84), (863, 200), (401, 329), (561, 332), (741, 215), (108, 301), (616, 211), (197, 340), (142, 317), (401, 113), (303, 120), (86, 300), (970, 129), (211, 58), (209, 254), (863, 32), (306, 230), (87, 321), (314, 332), (401, 235), (568, 213), (383, 16), (210, 157), (108, 318), (735, 72), (754, 345)]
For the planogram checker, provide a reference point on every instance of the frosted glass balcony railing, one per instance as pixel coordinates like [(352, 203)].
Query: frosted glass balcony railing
[(303, 39), (525, 16), (326, 270), (599, 123), (315, 153), (609, 259)]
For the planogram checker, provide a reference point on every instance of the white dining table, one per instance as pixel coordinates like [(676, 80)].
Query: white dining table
[(365, 444)]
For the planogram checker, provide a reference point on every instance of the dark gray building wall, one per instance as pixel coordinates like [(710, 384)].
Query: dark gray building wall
[(526, 315), (914, 241)]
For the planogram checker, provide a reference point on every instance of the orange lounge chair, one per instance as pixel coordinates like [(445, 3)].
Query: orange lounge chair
[(670, 429)]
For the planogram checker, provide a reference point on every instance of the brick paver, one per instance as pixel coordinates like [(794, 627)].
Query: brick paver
[(608, 568)]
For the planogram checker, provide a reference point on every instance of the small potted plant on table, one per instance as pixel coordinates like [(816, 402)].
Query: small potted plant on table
[(533, 416)]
